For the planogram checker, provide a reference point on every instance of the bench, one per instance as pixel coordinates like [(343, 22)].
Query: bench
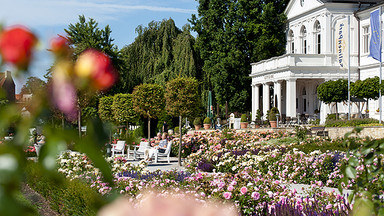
[(319, 131)]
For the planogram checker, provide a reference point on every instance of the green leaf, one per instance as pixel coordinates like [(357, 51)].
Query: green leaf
[(366, 151), (369, 159), (91, 145), (353, 161), (350, 172)]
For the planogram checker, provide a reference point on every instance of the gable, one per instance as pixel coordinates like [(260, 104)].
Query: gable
[(295, 8)]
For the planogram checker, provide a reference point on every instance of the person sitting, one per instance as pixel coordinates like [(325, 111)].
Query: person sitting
[(155, 141), (160, 147)]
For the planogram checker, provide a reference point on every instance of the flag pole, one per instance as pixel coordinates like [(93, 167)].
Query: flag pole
[(349, 67), (380, 98)]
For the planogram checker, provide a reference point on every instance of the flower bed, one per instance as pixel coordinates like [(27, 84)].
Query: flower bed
[(249, 170), (250, 192)]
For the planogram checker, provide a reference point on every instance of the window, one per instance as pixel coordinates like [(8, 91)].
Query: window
[(291, 42), (365, 39), (303, 40), (317, 34)]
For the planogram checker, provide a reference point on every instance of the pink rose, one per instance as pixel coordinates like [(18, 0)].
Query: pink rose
[(243, 190), (255, 195), (227, 195), (230, 188)]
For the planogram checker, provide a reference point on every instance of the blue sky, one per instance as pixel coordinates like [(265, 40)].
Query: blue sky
[(47, 18)]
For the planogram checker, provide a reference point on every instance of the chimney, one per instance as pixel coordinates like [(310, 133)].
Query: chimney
[(8, 74)]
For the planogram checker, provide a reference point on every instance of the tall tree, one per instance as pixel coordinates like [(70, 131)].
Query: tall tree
[(148, 101), (33, 85), (231, 35), (160, 52), (86, 34), (182, 99), (83, 35)]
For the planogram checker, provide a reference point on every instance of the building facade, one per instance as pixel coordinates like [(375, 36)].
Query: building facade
[(290, 81)]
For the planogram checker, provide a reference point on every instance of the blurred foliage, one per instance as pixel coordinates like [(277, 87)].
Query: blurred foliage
[(366, 193), (66, 197)]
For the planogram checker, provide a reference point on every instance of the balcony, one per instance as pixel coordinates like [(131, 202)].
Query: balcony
[(298, 61)]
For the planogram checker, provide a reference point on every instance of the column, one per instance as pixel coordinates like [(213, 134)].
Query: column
[(266, 98), (255, 100), (277, 91), (291, 98), (257, 96)]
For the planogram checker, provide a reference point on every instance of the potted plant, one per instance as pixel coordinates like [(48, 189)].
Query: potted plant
[(197, 123), (258, 118), (272, 117), (243, 121), (207, 123)]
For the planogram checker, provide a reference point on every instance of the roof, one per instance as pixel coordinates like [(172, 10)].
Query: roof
[(2, 78)]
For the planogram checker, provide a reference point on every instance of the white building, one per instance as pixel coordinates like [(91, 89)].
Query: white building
[(289, 82)]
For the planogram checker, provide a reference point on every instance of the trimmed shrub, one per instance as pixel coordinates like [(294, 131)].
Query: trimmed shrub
[(207, 120), (243, 118), (351, 123), (272, 114), (197, 121)]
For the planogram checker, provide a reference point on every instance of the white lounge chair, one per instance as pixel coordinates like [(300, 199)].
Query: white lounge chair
[(167, 152), (140, 150), (118, 147)]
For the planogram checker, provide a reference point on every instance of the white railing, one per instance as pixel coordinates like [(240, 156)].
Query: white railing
[(297, 60)]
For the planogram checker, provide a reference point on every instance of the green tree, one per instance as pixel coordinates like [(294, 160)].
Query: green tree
[(33, 85), (148, 101), (232, 35), (333, 92), (105, 109), (182, 99), (86, 34), (160, 52), (122, 109), (366, 89)]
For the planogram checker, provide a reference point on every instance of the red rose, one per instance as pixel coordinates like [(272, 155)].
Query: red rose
[(97, 67), (59, 46), (16, 45)]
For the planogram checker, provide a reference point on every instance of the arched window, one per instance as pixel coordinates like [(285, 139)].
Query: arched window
[(303, 35), (317, 33), (291, 42), (304, 92)]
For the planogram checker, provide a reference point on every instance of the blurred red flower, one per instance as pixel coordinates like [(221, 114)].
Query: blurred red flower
[(97, 67), (59, 46), (16, 44)]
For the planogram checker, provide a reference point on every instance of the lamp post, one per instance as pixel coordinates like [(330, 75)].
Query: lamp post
[(298, 118), (277, 118)]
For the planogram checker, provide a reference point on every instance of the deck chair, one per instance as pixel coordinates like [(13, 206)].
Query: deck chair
[(167, 152), (118, 147), (140, 150)]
